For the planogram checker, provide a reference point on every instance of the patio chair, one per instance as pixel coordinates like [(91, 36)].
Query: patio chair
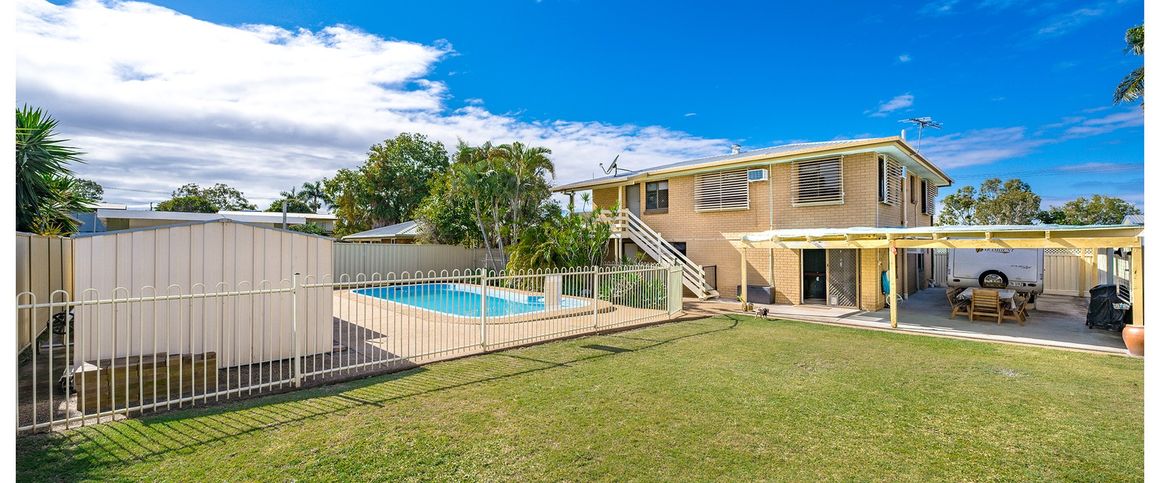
[(985, 303), (1019, 311), (958, 306)]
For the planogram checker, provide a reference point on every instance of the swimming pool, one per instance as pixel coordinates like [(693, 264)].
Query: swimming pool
[(464, 300)]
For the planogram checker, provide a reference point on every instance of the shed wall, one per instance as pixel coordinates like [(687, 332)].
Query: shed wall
[(217, 257)]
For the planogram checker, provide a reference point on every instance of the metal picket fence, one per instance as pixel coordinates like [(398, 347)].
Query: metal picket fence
[(105, 356)]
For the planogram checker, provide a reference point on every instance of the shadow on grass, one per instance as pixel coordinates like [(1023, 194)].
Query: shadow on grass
[(80, 453)]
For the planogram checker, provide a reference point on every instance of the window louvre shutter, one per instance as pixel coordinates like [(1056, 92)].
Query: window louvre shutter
[(893, 187), (723, 190), (931, 191), (817, 181)]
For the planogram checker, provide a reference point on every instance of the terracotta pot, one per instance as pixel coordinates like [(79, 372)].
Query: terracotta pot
[(1134, 339)]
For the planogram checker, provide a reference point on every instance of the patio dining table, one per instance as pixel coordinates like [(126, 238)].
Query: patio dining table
[(1006, 295)]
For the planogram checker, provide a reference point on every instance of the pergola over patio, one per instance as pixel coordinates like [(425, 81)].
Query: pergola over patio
[(955, 236)]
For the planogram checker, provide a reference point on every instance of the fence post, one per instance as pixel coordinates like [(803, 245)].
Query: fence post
[(483, 308), (595, 296), (294, 330)]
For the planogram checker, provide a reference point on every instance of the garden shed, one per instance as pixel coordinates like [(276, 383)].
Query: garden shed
[(220, 287)]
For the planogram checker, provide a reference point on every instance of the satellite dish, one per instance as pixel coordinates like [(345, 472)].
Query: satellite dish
[(611, 168)]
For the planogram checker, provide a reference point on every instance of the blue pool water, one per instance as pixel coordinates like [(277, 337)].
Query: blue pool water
[(463, 300)]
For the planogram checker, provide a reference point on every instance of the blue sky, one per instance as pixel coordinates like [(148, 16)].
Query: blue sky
[(1023, 88)]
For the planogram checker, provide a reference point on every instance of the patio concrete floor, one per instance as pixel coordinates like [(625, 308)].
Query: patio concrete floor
[(1057, 321)]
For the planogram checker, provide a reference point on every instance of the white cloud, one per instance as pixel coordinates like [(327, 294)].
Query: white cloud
[(982, 146), (1100, 167), (1106, 124), (938, 7), (902, 101), (985, 146), (157, 98), (904, 58), (690, 114), (1066, 22)]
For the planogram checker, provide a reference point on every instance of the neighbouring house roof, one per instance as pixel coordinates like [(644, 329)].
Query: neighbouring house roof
[(277, 215), (221, 219), (1133, 220), (784, 153), (406, 229), (242, 216)]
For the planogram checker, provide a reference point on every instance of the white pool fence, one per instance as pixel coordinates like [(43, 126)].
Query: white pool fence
[(116, 353)]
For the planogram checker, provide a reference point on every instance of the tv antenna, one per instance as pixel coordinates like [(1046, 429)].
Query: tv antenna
[(613, 169), (922, 122)]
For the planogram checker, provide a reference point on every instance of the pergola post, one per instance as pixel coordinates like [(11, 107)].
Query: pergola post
[(892, 277), (744, 279), (1138, 285)]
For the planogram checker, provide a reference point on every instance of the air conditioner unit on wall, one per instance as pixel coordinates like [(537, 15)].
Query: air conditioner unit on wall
[(755, 175)]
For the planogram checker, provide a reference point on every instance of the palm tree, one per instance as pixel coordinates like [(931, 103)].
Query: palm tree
[(55, 215), (1132, 87), (313, 195), (291, 194), (42, 165), (528, 166)]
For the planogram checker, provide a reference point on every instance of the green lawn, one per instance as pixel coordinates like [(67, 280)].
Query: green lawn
[(725, 398)]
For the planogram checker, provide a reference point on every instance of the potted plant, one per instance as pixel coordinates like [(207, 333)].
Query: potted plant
[(1134, 339)]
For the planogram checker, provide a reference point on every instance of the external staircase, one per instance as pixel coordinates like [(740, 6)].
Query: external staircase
[(626, 225)]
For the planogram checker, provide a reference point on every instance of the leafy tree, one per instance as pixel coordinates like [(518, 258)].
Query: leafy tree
[(389, 186), (1099, 210), (90, 190), (561, 241), (445, 217), (311, 228), (188, 204), (1131, 87), (221, 196), (346, 192), (958, 208), (293, 205), (995, 203), (45, 192), (501, 189)]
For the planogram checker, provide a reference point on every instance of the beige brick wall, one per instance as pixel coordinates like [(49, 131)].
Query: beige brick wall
[(787, 276), (604, 199), (870, 267), (860, 194), (703, 233), (705, 244)]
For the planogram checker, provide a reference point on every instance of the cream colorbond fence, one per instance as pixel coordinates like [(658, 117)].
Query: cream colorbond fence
[(352, 259), (43, 266), (185, 346), (194, 260)]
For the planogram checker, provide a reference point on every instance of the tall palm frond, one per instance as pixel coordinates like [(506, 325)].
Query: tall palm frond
[(1131, 88), (41, 158)]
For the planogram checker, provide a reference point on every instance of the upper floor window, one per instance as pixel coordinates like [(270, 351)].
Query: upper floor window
[(656, 195), (723, 190), (913, 190), (817, 181), (889, 170)]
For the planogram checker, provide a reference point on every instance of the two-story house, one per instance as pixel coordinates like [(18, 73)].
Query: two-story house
[(682, 212)]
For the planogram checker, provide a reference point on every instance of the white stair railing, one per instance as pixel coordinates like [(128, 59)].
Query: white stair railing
[(652, 243)]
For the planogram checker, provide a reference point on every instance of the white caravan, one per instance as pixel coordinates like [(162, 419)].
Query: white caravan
[(1018, 269)]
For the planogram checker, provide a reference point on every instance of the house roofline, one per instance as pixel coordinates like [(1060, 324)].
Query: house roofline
[(788, 156)]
